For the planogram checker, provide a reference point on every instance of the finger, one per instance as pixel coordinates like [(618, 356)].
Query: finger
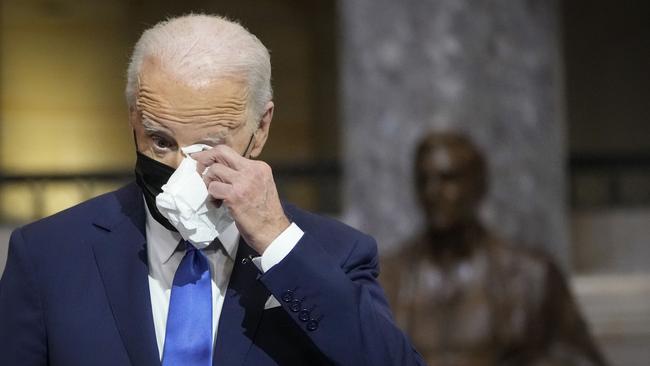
[(219, 190), (219, 154), (219, 172), (229, 156), (203, 160)]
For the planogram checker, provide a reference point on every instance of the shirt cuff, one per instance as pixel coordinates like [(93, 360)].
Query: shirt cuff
[(279, 248)]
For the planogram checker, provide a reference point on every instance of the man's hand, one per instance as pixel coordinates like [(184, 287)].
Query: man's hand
[(247, 188)]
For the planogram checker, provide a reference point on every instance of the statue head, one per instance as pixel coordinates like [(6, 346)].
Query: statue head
[(450, 177)]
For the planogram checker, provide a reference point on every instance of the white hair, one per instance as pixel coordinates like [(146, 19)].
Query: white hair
[(199, 49)]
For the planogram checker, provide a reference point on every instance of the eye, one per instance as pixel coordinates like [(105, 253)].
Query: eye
[(162, 143)]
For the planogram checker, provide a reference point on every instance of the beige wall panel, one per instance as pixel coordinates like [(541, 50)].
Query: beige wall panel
[(62, 100)]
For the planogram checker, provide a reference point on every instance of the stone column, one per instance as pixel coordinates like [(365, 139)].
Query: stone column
[(490, 69)]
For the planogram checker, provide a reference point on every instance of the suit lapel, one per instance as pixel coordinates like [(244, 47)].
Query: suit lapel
[(121, 256), (242, 310)]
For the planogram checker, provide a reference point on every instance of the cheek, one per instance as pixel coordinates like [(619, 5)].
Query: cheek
[(171, 159)]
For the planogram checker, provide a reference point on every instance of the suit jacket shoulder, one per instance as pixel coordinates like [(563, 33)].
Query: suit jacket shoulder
[(105, 212)]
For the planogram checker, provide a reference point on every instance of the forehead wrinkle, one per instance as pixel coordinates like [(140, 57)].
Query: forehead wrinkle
[(230, 108), (230, 114), (204, 112), (166, 118), (236, 96), (163, 96), (152, 126), (153, 122), (230, 105)]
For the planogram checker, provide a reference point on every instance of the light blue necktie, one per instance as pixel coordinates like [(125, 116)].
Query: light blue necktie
[(188, 338)]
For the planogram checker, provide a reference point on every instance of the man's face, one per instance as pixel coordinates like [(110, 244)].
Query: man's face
[(448, 188), (169, 115)]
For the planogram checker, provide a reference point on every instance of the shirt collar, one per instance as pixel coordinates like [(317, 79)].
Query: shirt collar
[(229, 238), (162, 242)]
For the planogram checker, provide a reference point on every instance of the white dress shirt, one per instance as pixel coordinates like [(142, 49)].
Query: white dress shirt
[(164, 259)]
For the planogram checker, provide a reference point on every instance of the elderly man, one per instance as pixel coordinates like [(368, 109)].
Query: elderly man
[(467, 297), (120, 280)]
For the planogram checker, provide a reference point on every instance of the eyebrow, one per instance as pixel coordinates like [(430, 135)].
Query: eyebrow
[(151, 126), (214, 139)]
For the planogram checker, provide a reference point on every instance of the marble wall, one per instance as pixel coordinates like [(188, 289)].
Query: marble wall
[(489, 68)]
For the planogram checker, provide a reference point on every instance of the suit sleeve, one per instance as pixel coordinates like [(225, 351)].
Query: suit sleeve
[(22, 330), (342, 308)]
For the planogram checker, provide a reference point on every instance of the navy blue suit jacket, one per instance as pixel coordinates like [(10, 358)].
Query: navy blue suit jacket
[(75, 292)]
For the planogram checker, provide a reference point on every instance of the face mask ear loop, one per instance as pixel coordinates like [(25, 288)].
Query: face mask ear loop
[(249, 145), (135, 141)]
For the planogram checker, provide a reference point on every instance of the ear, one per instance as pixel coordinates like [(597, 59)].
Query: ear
[(262, 132)]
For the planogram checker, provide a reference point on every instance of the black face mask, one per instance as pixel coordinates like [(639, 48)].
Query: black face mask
[(151, 175)]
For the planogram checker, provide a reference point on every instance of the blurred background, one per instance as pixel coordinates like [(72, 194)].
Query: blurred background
[(555, 92)]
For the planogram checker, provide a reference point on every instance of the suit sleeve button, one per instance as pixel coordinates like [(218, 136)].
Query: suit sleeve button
[(312, 325), (287, 296), (295, 305), (304, 315)]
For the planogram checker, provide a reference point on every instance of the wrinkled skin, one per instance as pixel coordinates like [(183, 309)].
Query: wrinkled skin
[(169, 114)]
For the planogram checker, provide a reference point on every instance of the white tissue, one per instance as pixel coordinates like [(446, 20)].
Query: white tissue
[(186, 203)]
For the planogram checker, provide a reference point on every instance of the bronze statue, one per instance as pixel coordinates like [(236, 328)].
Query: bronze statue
[(468, 298)]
